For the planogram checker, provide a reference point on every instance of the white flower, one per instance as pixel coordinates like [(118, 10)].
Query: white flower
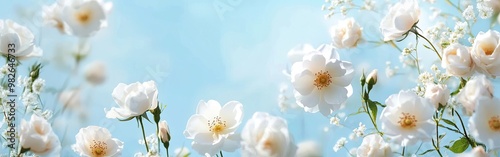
[(95, 73), (212, 127), (134, 99), (18, 39), (400, 19), (85, 17), (476, 87), (266, 135), (485, 52), (457, 60), (340, 143), (374, 145), (468, 13), (322, 82), (181, 152), (484, 10), (29, 99), (96, 141), (373, 75), (438, 94), (407, 118), (484, 125), (475, 152), (164, 131), (38, 136), (335, 121), (70, 98), (346, 34), (309, 149), (359, 131), (52, 15), (38, 85), (298, 52)]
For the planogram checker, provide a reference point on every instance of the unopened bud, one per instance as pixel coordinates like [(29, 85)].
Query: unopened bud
[(164, 131)]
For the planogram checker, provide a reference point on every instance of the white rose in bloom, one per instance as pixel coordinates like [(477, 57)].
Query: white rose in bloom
[(407, 118), (475, 152), (309, 149), (38, 136), (346, 34), (486, 54), (457, 60), (267, 136), (85, 17), (476, 87), (96, 73), (133, 99), (164, 131), (437, 94), (401, 17), (374, 145), (322, 82), (96, 141), (212, 127), (19, 38), (484, 125)]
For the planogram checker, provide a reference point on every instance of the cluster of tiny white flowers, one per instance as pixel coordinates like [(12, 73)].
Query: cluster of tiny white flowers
[(340, 143), (368, 5), (459, 31), (283, 98), (4, 70), (29, 99), (484, 10), (469, 14), (38, 85), (358, 132), (47, 114), (152, 140), (335, 121), (344, 6)]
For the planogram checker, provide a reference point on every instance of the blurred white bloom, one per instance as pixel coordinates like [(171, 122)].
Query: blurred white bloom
[(151, 140), (4, 70), (475, 152), (266, 135), (400, 19), (298, 52), (340, 143), (477, 87), (346, 34), (164, 131), (374, 145), (368, 5), (95, 73), (96, 141), (484, 10), (493, 4), (484, 125), (181, 152), (52, 15), (438, 94), (212, 127), (468, 13), (322, 82), (133, 99), (485, 52), (19, 39), (38, 136), (38, 85), (85, 17), (29, 99), (309, 149), (457, 60), (389, 71), (70, 98), (335, 121), (407, 118)]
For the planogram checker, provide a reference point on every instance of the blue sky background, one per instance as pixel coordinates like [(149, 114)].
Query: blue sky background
[(202, 55)]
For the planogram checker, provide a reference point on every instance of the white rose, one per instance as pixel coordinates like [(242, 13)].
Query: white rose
[(400, 19), (164, 131), (134, 99), (457, 60), (438, 94), (309, 149), (38, 136), (96, 141), (85, 17), (486, 54), (346, 34), (17, 40), (374, 145), (95, 73), (477, 87), (267, 136)]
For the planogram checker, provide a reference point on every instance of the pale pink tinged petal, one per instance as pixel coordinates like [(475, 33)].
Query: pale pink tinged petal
[(334, 94), (314, 62), (208, 109), (310, 100), (195, 125), (232, 113), (304, 82)]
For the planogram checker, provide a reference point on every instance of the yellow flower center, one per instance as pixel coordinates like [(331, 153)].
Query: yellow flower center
[(216, 125), (494, 123), (323, 79), (488, 49), (98, 148), (83, 16), (407, 120)]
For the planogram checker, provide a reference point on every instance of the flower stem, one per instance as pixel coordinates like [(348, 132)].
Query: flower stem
[(437, 135), (428, 41), (221, 154), (143, 133), (473, 144)]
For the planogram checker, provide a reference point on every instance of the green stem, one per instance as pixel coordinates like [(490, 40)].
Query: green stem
[(143, 133), (428, 41), (221, 154), (437, 135), (395, 46), (403, 154), (473, 144), (367, 109)]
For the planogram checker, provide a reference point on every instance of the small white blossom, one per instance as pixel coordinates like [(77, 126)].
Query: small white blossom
[(335, 121), (469, 13), (38, 85), (484, 10), (340, 143)]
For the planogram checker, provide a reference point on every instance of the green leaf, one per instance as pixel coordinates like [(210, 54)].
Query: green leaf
[(145, 115), (451, 129), (427, 151), (441, 136), (449, 122), (373, 108), (459, 145), (126, 119), (379, 104)]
